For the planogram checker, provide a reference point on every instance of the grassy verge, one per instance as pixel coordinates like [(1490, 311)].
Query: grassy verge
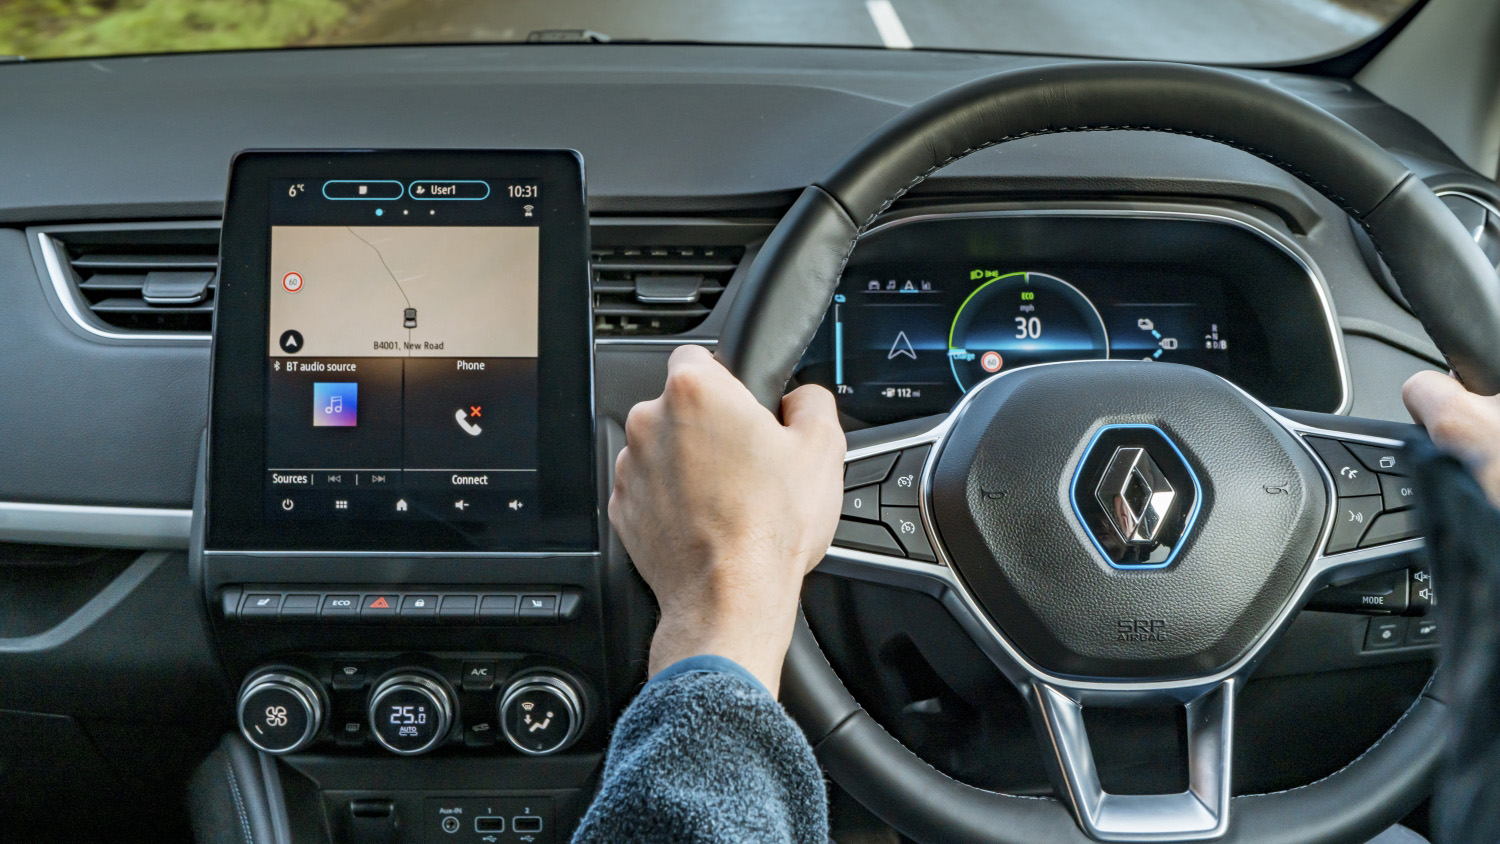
[(54, 28)]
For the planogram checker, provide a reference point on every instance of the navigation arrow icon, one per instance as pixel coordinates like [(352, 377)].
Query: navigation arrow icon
[(901, 346)]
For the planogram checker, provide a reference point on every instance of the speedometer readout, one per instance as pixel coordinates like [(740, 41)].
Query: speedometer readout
[(1020, 319)]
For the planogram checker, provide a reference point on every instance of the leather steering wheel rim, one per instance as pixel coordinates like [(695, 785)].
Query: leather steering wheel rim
[(787, 290)]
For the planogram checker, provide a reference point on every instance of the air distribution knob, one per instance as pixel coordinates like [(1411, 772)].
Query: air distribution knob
[(541, 713), (280, 710), (410, 712)]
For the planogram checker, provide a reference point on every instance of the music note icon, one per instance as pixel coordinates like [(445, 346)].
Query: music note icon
[(335, 404)]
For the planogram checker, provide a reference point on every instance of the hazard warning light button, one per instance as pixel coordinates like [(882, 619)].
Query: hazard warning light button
[(378, 606)]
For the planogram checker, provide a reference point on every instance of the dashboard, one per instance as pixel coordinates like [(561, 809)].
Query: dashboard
[(932, 304)]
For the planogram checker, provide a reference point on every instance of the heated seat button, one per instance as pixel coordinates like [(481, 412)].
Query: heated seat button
[(1398, 493), (862, 503), (1350, 519), (1350, 477), (901, 488), (260, 605), (1392, 527), (1390, 461), (866, 536), (871, 470), (539, 607), (906, 523)]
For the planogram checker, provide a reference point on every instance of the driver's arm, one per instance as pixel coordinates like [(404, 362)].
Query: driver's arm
[(724, 510)]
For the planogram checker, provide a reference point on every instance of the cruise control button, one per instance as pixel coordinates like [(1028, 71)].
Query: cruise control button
[(866, 536), (1392, 527), (906, 523), (379, 606), (260, 605), (1398, 492), (901, 488), (871, 470), (1350, 477), (1350, 519), (863, 503), (1385, 633), (336, 606), (1389, 461)]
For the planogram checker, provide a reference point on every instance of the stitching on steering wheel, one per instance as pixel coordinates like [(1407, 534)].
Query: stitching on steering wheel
[(1387, 734)]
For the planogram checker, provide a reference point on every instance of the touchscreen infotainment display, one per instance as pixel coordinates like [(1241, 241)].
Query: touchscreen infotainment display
[(423, 353)]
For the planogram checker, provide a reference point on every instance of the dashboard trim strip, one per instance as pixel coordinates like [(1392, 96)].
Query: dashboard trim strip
[(93, 526)]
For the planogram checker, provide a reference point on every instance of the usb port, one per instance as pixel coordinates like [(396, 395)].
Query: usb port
[(526, 823), (489, 823)]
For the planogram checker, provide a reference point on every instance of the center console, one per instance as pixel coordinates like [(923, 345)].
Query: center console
[(398, 533)]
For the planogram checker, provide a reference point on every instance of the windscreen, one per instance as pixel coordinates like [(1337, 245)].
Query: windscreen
[(1210, 31)]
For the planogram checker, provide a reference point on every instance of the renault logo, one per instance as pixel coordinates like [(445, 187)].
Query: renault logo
[(1136, 496)]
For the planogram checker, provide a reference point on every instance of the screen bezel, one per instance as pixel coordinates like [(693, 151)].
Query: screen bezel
[(568, 513)]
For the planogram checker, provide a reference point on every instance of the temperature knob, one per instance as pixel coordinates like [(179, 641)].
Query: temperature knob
[(410, 713), (280, 710), (541, 714)]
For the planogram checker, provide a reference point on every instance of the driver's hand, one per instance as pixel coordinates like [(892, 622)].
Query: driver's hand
[(1461, 422), (724, 510)]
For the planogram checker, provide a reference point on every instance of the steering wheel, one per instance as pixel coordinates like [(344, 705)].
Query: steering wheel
[(1134, 598)]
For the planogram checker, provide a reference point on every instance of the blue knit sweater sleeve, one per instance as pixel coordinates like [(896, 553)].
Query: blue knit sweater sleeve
[(705, 755)]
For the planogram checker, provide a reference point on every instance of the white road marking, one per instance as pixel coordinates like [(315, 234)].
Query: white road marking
[(888, 24)]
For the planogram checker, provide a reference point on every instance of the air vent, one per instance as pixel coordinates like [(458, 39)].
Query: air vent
[(653, 291), (138, 280)]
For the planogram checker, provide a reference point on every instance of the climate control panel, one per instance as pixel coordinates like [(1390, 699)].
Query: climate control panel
[(414, 704)]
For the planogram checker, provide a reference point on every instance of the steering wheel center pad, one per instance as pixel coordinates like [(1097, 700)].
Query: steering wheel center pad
[(1002, 500)]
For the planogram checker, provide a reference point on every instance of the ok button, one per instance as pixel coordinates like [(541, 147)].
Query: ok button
[(460, 189)]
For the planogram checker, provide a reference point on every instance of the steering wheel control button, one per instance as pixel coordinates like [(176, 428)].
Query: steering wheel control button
[(260, 605), (301, 606), (866, 536), (1351, 518), (906, 523), (1423, 596), (541, 714), (497, 607), (478, 676), (1385, 633), (410, 713), (1350, 477), (419, 607), (538, 607), (1386, 461), (458, 607), (901, 489), (1392, 527), (379, 606), (1381, 593), (340, 606), (1397, 492), (349, 676), (1422, 631), (871, 470), (279, 711), (862, 503)]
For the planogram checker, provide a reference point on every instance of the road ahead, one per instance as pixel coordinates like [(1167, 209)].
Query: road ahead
[(1222, 31)]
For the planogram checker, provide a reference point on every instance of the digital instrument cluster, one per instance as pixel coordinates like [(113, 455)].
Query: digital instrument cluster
[(929, 308)]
